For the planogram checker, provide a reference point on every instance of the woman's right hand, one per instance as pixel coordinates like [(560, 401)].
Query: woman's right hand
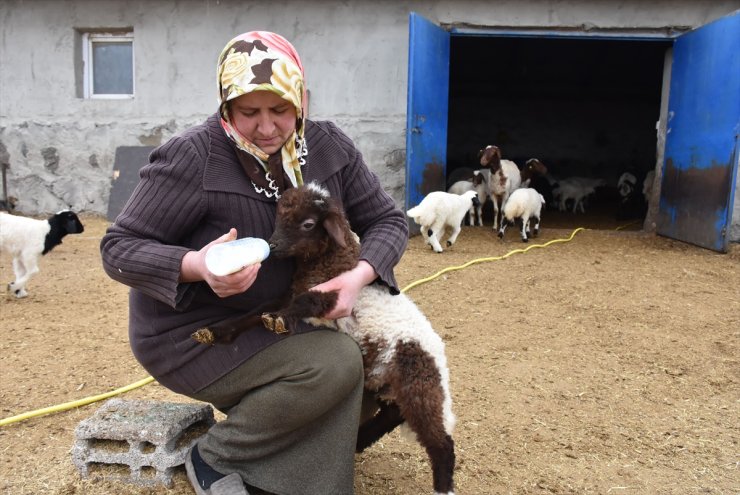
[(193, 269)]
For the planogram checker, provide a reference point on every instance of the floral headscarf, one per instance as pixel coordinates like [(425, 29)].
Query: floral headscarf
[(261, 60)]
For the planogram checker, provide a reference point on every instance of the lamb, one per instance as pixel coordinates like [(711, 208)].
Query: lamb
[(439, 210), (505, 178), (524, 204), (404, 358), (576, 189), (477, 184), (25, 239)]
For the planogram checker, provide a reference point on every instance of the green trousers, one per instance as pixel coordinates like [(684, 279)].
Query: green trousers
[(292, 413)]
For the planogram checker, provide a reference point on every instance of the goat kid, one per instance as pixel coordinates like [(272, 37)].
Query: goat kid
[(505, 179), (404, 358)]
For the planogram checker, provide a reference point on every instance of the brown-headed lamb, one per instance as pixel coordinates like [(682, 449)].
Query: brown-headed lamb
[(404, 358)]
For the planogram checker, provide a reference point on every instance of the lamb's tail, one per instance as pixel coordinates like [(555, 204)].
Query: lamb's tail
[(419, 214)]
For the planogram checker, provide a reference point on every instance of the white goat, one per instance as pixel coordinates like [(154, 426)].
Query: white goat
[(404, 358), (505, 179), (479, 184), (524, 204), (439, 210), (576, 189), (25, 239)]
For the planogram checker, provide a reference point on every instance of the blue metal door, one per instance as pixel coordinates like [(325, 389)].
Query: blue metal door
[(701, 150), (426, 112)]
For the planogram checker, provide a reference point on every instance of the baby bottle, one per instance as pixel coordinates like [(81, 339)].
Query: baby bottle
[(229, 257)]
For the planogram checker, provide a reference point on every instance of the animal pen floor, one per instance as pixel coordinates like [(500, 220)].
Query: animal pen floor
[(604, 365)]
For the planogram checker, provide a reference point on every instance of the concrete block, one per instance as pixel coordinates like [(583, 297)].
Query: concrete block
[(138, 441)]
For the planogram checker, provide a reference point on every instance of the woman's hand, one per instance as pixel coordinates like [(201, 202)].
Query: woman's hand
[(193, 269), (348, 284)]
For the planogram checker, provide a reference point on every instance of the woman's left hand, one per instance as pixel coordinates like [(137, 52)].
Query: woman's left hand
[(348, 285)]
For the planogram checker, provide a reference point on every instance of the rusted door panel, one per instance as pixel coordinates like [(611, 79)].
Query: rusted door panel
[(427, 105), (699, 171)]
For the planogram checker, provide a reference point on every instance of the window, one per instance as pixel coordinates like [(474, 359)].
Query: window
[(108, 64)]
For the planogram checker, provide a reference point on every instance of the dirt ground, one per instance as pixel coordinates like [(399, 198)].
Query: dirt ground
[(607, 365)]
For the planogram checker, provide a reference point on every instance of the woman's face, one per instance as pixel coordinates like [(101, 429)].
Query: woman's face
[(264, 118)]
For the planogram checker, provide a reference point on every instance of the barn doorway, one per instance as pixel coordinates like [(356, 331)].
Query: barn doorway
[(584, 107)]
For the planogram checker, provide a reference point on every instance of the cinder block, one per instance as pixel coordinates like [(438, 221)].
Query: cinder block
[(138, 441)]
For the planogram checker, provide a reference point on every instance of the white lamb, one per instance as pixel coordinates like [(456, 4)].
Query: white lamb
[(479, 184), (439, 210), (524, 204), (576, 189), (25, 239)]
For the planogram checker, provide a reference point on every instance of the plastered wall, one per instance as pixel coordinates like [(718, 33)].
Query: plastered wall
[(60, 147)]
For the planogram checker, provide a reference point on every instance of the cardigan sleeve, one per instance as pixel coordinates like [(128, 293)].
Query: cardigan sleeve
[(143, 248), (372, 213)]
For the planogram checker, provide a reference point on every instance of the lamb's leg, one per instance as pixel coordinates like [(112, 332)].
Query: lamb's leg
[(536, 230), (479, 211), (471, 216), (24, 268), (415, 384), (453, 236), (580, 204), (442, 457), (425, 233), (226, 331), (384, 422), (502, 230), (436, 231), (307, 305), (525, 223)]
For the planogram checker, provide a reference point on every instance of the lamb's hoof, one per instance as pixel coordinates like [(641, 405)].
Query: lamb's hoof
[(524, 239), (204, 336), (18, 293), (500, 235), (449, 244), (274, 323)]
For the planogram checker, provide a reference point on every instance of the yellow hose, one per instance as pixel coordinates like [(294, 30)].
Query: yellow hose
[(492, 258), (74, 403), (95, 398)]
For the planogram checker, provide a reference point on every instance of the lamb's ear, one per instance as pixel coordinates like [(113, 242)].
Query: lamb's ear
[(333, 225)]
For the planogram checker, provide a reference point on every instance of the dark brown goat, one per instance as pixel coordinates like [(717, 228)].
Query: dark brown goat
[(404, 359)]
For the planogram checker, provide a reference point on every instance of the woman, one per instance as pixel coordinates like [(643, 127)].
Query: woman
[(292, 403)]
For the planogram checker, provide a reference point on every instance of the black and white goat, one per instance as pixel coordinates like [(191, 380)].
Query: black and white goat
[(26, 239), (404, 358)]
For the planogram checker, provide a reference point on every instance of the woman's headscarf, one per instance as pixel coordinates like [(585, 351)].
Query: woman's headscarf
[(261, 60)]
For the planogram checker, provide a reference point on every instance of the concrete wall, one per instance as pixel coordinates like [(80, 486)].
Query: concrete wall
[(60, 147)]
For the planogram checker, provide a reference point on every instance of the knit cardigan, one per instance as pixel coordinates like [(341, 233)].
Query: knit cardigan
[(193, 191)]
